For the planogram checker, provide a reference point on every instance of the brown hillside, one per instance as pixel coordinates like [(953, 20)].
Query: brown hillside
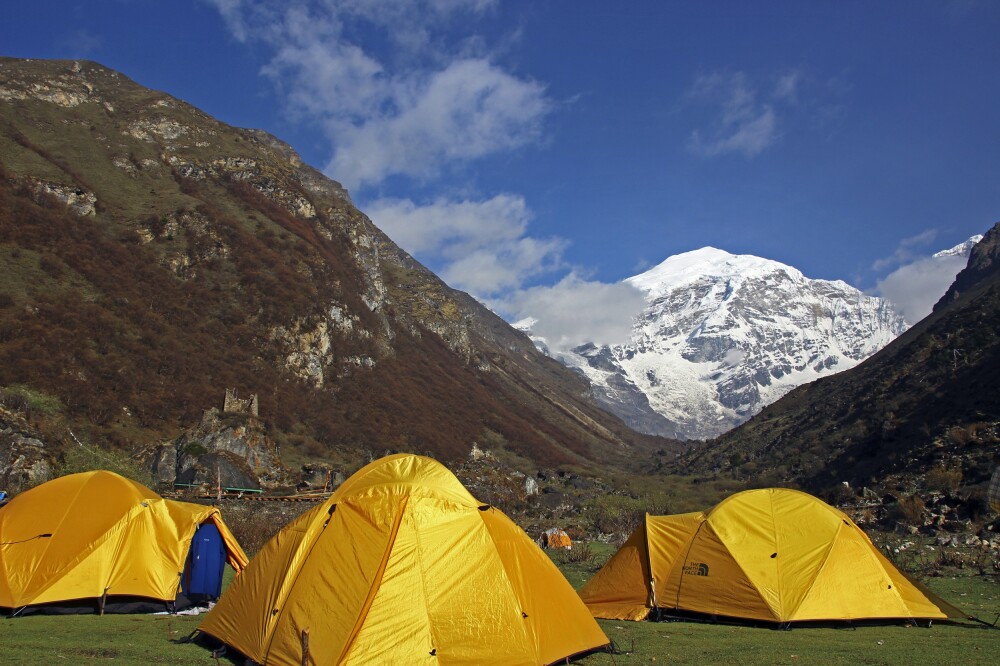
[(152, 257)]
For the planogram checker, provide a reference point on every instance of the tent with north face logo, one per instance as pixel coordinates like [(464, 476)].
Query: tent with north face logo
[(774, 555), (402, 565)]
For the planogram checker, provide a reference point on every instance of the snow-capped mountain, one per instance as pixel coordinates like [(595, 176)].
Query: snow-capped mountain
[(960, 250), (723, 335)]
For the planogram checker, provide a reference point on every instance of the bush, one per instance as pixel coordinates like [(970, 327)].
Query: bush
[(620, 515), (255, 523), (944, 480), (30, 401), (580, 553), (909, 509), (81, 458)]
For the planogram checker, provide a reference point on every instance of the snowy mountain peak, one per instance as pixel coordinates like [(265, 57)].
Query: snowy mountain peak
[(960, 250), (705, 263), (723, 335)]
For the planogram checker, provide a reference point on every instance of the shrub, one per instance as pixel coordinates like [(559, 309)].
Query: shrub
[(255, 523), (30, 401), (909, 509), (82, 458), (620, 515), (195, 450), (944, 480), (580, 553)]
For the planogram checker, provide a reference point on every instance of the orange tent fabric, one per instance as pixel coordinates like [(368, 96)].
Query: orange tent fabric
[(555, 538), (402, 565), (776, 555), (97, 534)]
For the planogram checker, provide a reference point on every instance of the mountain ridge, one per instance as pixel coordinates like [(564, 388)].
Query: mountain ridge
[(156, 256)]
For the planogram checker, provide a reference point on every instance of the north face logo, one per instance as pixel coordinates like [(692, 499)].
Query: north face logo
[(696, 569)]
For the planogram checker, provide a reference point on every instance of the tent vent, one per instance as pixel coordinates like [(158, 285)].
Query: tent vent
[(773, 555), (485, 507), (329, 514), (434, 652), (523, 614)]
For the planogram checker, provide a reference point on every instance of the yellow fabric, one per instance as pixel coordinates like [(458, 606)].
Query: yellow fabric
[(109, 535), (620, 590), (774, 554), (402, 565)]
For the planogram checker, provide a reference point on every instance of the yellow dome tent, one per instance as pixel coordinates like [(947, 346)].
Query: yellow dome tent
[(96, 535), (775, 555), (401, 566)]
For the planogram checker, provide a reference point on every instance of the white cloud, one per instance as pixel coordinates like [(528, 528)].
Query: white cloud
[(479, 246), (575, 311), (787, 86), (915, 287), (410, 107), (741, 122), (490, 271), (739, 114), (468, 110), (907, 251)]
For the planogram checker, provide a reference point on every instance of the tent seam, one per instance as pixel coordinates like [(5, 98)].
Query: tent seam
[(819, 571), (535, 643), (423, 587), (376, 584), (282, 600), (740, 567), (777, 559)]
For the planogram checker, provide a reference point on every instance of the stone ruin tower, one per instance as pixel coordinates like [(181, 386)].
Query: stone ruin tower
[(239, 405)]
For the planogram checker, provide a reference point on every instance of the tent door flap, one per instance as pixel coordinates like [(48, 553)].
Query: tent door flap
[(206, 562)]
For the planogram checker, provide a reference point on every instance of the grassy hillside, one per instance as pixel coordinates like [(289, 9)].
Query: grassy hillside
[(153, 257)]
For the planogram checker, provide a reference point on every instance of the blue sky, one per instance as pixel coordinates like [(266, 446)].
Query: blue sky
[(538, 153)]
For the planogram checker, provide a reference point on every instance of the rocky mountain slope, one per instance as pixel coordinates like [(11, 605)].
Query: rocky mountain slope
[(153, 257), (923, 411), (723, 335)]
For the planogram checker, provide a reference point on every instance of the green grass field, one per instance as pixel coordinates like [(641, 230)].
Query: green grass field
[(148, 639)]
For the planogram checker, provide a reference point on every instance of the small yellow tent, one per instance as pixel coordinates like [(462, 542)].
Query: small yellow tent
[(97, 534), (775, 555), (403, 566)]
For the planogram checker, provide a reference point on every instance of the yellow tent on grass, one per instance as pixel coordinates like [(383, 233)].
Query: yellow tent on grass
[(403, 566), (775, 555), (96, 534)]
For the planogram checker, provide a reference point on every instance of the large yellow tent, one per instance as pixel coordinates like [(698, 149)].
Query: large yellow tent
[(403, 566), (96, 535), (775, 555)]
